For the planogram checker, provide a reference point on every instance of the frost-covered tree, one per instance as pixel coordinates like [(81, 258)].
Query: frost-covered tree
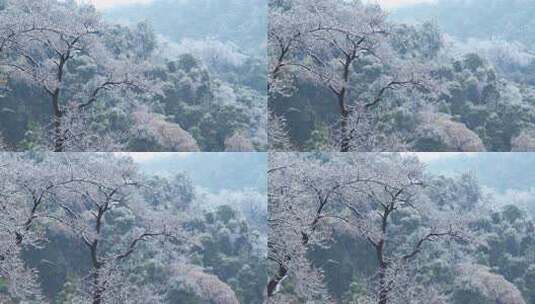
[(46, 41), (239, 142), (207, 286), (278, 134), (82, 78), (293, 229), (95, 206), (302, 194), (398, 191), (329, 43), (365, 133), (100, 202), (480, 285), (524, 142), (453, 134), (368, 195), (24, 192), (160, 133), (12, 25)]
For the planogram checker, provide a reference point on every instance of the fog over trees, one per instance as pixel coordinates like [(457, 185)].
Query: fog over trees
[(267, 152), (440, 76), (382, 228), (74, 79), (94, 228)]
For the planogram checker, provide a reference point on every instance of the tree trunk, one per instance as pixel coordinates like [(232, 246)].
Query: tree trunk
[(58, 137), (383, 292), (344, 124), (345, 140), (276, 280), (59, 140), (97, 292), (97, 265), (383, 265), (282, 273)]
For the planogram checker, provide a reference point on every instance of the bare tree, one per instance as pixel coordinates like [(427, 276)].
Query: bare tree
[(44, 37), (24, 192), (363, 193), (327, 41), (301, 193), (100, 188), (83, 194), (398, 189)]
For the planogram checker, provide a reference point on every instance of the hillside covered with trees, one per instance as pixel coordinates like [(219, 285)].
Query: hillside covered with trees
[(95, 228), (77, 79), (442, 76), (384, 229)]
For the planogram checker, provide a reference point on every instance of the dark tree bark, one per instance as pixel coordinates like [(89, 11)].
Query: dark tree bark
[(59, 139), (276, 280), (341, 95)]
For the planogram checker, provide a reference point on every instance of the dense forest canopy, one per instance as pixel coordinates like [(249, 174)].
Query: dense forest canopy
[(382, 228), (75, 80), (94, 228), (440, 76)]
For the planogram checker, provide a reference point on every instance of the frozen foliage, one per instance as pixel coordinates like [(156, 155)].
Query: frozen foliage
[(214, 53), (167, 135), (327, 42), (439, 240), (22, 192), (494, 288), (133, 240), (336, 63), (251, 205), (364, 134), (81, 135), (455, 135), (278, 135), (366, 195), (14, 236), (208, 287), (524, 142), (238, 142), (83, 80), (505, 55), (47, 37)]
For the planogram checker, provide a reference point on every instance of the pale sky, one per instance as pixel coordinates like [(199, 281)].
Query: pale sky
[(397, 3), (148, 156), (432, 156), (104, 4), (425, 157)]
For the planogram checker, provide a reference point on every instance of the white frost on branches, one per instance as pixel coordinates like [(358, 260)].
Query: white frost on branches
[(362, 192)]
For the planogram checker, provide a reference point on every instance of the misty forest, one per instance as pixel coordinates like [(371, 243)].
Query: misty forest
[(168, 75), (387, 228), (111, 229), (447, 75)]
